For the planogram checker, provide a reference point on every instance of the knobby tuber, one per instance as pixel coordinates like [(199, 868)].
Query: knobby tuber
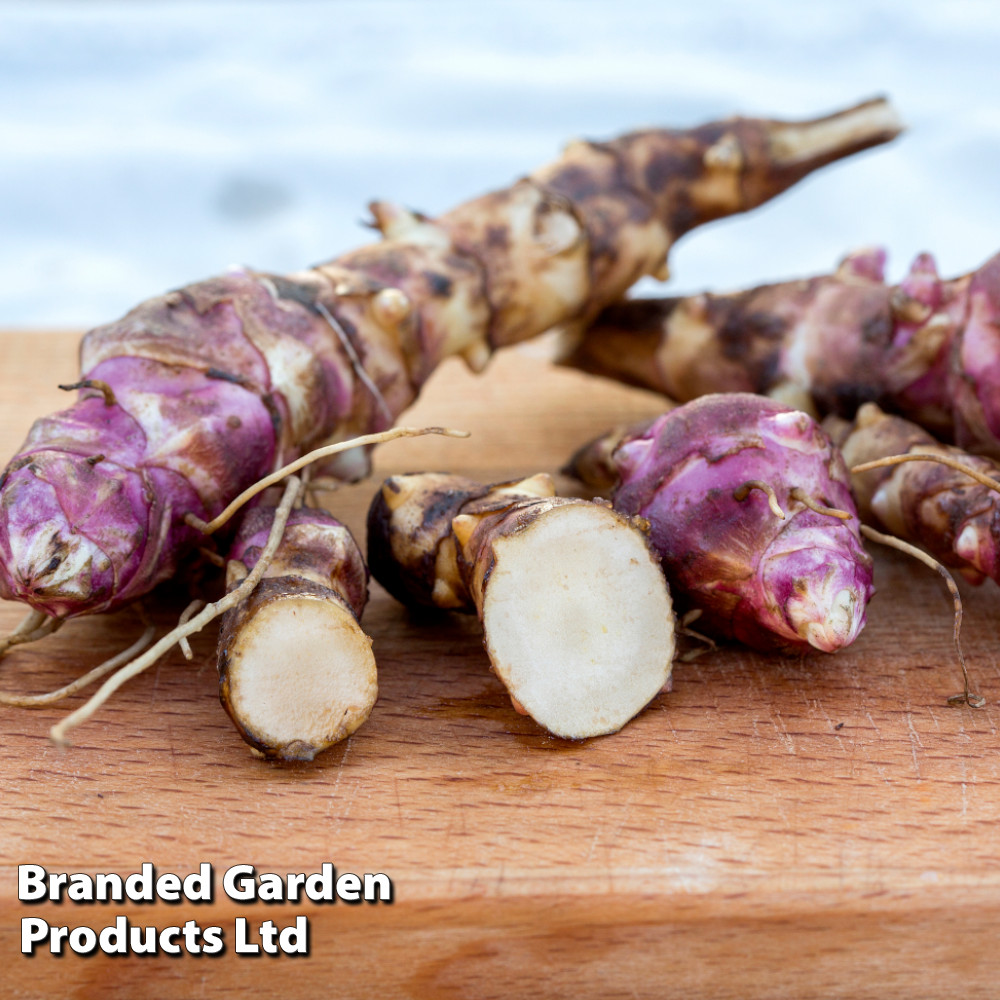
[(927, 349), (936, 506), (296, 671), (576, 614), (196, 394), (750, 508)]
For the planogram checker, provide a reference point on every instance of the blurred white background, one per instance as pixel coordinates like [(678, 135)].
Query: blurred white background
[(143, 146)]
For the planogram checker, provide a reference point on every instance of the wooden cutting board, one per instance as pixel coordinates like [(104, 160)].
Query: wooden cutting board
[(774, 827)]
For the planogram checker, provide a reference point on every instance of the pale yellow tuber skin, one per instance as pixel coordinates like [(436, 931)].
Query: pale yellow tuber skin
[(576, 614)]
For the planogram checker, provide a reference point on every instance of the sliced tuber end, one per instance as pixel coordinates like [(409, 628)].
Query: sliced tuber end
[(299, 676), (578, 620)]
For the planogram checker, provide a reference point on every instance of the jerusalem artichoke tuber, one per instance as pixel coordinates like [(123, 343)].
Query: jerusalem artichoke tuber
[(940, 508), (750, 510), (576, 614), (926, 348), (194, 395), (296, 671)]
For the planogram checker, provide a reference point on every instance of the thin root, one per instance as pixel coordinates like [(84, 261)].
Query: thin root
[(308, 495), (708, 644), (356, 364), (191, 609), (35, 625), (28, 624), (94, 383), (324, 484), (683, 628), (325, 452), (967, 697), (212, 611), (742, 492), (799, 494), (40, 700), (213, 557), (920, 456)]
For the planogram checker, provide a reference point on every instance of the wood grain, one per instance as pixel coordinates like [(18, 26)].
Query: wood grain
[(798, 827)]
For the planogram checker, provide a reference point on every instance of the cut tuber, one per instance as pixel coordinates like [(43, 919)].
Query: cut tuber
[(575, 611), (296, 671)]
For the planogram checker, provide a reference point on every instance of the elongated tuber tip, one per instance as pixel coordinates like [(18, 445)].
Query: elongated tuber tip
[(977, 545), (818, 140), (80, 537), (791, 150)]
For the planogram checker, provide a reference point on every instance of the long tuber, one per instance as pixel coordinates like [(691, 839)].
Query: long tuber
[(576, 614), (927, 349), (196, 394), (751, 512)]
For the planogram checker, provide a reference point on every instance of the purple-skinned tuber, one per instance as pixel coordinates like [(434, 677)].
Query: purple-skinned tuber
[(927, 348), (751, 512)]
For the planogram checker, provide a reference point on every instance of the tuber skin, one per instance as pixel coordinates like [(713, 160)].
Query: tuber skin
[(926, 348), (576, 614), (296, 671), (940, 509), (194, 395), (699, 475)]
